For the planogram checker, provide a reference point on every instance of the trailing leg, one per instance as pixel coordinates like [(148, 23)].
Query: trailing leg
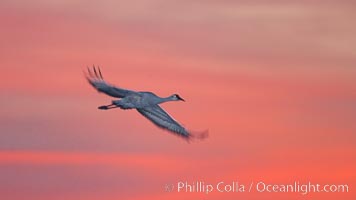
[(107, 107)]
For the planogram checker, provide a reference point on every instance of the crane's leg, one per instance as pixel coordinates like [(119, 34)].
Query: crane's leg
[(107, 107), (123, 104)]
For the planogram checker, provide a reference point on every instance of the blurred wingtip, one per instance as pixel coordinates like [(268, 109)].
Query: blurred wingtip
[(197, 136)]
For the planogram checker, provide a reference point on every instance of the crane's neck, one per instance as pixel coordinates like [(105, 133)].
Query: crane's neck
[(165, 99)]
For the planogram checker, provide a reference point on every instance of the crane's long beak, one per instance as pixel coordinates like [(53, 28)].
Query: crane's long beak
[(180, 98)]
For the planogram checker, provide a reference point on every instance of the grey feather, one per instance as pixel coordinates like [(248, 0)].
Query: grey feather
[(97, 81), (163, 120)]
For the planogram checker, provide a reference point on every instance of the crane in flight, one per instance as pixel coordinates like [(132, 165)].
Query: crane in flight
[(146, 103)]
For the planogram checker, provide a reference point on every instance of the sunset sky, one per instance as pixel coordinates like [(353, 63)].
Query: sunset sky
[(273, 81)]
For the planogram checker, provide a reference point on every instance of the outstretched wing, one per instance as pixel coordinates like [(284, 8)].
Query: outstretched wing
[(163, 120), (96, 80)]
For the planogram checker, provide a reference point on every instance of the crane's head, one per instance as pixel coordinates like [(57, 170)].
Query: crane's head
[(176, 97)]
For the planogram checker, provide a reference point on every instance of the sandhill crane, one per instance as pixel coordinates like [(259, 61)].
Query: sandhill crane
[(145, 103)]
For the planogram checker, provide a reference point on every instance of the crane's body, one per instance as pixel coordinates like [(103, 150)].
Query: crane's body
[(141, 100)]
